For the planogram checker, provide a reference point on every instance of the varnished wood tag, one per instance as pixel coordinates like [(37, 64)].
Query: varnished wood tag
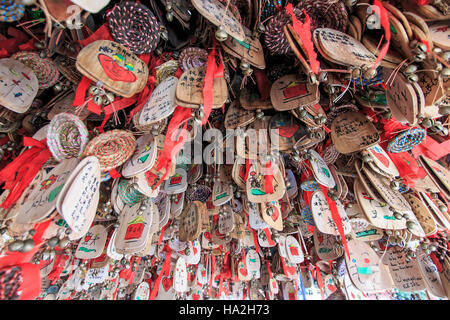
[(291, 91), (438, 172), (381, 163), (190, 88), (236, 116), (190, 221), (287, 130), (271, 214), (382, 185), (342, 48), (249, 49), (217, 13), (352, 131), (401, 98), (320, 170), (327, 246), (18, 85), (430, 274), (423, 215), (362, 229), (116, 67)]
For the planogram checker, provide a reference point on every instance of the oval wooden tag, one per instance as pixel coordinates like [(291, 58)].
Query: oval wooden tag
[(381, 160), (352, 131), (327, 246), (217, 13), (377, 213), (294, 251), (342, 49), (142, 291), (92, 244), (143, 158), (406, 275), (180, 276), (291, 91), (322, 215), (366, 271), (430, 274), (78, 199), (18, 85), (272, 217), (161, 102), (422, 214), (321, 171), (253, 264), (117, 68)]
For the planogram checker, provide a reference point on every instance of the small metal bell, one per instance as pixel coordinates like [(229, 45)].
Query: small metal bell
[(58, 87), (169, 16), (420, 57), (221, 34), (411, 225), (412, 77), (398, 215), (27, 245), (412, 68), (445, 73), (16, 246), (97, 99), (53, 242)]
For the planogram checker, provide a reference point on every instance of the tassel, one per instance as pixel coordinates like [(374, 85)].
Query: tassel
[(164, 271)]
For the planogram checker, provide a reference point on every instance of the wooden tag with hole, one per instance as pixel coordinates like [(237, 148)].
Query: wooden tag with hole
[(190, 88), (343, 49), (249, 50), (294, 251), (18, 85), (257, 193), (217, 13), (437, 173), (327, 246), (365, 269), (116, 67), (92, 244), (292, 91), (286, 130), (362, 229), (406, 275), (250, 99), (376, 212), (430, 274), (177, 183), (352, 132)]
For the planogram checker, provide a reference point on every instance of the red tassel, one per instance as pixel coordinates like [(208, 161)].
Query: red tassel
[(303, 31), (18, 174), (212, 72)]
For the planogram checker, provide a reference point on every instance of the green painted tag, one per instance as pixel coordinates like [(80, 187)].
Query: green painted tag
[(364, 270)]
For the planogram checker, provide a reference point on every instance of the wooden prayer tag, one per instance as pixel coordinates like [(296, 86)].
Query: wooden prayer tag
[(293, 91), (92, 244), (116, 67)]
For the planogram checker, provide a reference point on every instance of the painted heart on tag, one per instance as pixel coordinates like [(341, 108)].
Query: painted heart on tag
[(381, 157), (203, 273), (195, 296), (290, 270), (207, 235), (167, 283)]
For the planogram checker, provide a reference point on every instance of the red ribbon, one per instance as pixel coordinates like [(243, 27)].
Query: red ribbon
[(336, 218), (387, 31), (268, 178), (164, 271), (212, 72), (174, 140), (19, 173), (303, 31)]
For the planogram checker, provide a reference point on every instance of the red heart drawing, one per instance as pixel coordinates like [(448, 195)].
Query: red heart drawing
[(195, 296), (207, 235), (167, 283), (195, 250), (290, 269), (243, 272), (203, 273), (332, 288)]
